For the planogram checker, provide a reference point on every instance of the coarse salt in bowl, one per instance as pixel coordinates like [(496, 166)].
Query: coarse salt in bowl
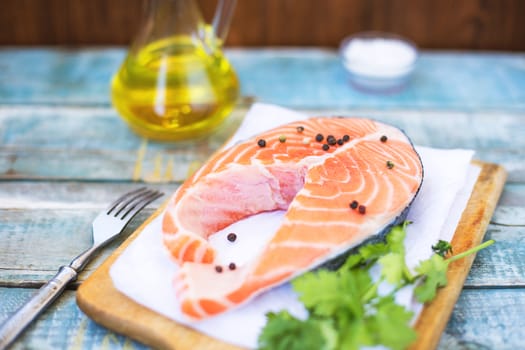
[(378, 61)]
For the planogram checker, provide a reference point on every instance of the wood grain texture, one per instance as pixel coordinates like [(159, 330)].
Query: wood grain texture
[(471, 24), (498, 325), (501, 264), (104, 149), (71, 195), (98, 298), (35, 243), (44, 22), (469, 233), (296, 78), (55, 117), (486, 319), (37, 213), (62, 327), (510, 209)]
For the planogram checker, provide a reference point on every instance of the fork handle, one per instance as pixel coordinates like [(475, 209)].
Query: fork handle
[(15, 324)]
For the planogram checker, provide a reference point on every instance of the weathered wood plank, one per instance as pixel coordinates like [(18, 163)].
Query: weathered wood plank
[(94, 144), (95, 195), (511, 207), (26, 194), (57, 195), (152, 164), (441, 81), (301, 78), (498, 324), (63, 326), (487, 319), (31, 255), (502, 264), (52, 76), (35, 243), (509, 215)]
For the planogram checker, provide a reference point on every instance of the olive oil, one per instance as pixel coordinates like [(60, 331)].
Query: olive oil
[(174, 89)]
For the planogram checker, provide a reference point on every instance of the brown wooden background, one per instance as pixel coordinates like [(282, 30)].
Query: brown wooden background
[(445, 24)]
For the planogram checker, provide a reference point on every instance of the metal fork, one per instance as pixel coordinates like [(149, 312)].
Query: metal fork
[(106, 226)]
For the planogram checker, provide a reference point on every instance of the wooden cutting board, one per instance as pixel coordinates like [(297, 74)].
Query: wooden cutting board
[(98, 298)]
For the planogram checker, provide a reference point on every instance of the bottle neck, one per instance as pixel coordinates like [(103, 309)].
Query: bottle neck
[(222, 18), (174, 17)]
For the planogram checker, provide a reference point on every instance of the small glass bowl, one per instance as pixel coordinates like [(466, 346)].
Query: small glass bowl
[(378, 62)]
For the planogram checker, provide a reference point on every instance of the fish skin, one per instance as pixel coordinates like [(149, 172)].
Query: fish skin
[(291, 173)]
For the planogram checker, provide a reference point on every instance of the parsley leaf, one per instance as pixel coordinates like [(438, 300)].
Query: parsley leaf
[(333, 294), (442, 248), (391, 324), (373, 251), (354, 335), (285, 332), (366, 256), (345, 309), (396, 238), (434, 275), (393, 267), (433, 272)]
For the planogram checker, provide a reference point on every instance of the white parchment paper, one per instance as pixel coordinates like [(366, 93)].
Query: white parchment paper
[(144, 272)]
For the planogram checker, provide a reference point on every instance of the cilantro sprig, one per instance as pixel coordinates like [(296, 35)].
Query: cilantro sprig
[(442, 248), (432, 273), (345, 308)]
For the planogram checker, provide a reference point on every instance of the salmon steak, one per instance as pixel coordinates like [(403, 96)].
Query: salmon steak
[(341, 181)]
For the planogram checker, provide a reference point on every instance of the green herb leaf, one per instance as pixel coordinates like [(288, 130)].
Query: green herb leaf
[(283, 332), (355, 335), (345, 309), (391, 324), (392, 268), (434, 275), (332, 294), (396, 238), (353, 261), (373, 251), (442, 248)]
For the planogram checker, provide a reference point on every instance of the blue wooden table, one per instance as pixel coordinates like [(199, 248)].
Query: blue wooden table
[(64, 154)]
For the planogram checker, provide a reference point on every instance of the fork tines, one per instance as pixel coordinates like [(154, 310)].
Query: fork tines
[(132, 202)]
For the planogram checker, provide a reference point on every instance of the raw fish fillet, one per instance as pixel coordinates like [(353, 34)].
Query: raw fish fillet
[(374, 165)]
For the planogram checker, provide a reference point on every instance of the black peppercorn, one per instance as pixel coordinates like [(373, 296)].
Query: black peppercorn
[(232, 266), (354, 204), (261, 143), (362, 209), (331, 140), (340, 142), (346, 138), (231, 237), (218, 268), (383, 138), (319, 137), (326, 147)]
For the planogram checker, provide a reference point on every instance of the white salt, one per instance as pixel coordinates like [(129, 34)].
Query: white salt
[(379, 57)]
